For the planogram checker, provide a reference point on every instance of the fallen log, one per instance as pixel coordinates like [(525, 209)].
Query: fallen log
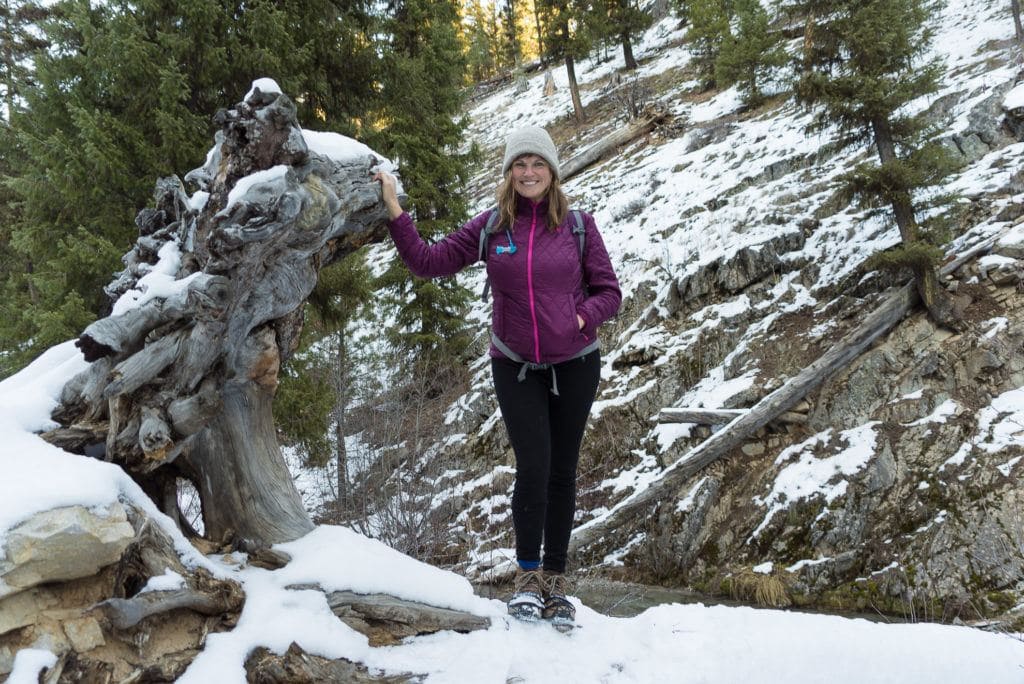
[(609, 143), (387, 620), (892, 310), (706, 416)]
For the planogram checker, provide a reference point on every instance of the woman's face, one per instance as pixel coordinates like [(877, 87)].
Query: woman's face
[(531, 176)]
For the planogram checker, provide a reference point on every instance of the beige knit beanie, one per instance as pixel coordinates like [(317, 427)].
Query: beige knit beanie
[(530, 140)]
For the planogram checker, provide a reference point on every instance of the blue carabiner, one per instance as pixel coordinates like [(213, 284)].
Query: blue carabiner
[(511, 249)]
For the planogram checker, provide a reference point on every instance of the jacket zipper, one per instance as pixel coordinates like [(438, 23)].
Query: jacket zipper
[(529, 287)]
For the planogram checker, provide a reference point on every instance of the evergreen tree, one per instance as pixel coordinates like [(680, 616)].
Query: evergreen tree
[(566, 37), (749, 52), (622, 21), (18, 42), (864, 64), (482, 36), (316, 387), (423, 131), (513, 53), (129, 97), (709, 28)]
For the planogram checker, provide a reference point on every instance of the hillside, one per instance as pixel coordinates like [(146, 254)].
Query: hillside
[(896, 487), (892, 488)]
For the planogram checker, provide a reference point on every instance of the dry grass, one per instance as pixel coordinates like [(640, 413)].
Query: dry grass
[(763, 589)]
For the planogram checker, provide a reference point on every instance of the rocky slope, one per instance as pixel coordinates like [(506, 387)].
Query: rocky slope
[(897, 488)]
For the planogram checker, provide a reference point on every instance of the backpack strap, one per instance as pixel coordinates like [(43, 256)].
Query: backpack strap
[(485, 236), (578, 230), (581, 236)]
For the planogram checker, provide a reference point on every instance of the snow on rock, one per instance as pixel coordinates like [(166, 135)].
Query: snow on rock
[(1015, 98), (810, 475), (29, 664)]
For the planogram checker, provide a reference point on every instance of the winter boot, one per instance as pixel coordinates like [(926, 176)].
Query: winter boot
[(527, 602), (557, 608)]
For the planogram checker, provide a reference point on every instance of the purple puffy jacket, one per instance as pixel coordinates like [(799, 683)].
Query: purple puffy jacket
[(538, 289)]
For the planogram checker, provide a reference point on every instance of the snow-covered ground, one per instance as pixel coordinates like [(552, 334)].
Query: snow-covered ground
[(638, 207), (668, 643)]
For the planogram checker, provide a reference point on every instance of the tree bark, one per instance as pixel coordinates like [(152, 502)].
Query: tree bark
[(627, 53), (703, 416), (574, 88), (1018, 29), (935, 299), (183, 386), (540, 34), (341, 397)]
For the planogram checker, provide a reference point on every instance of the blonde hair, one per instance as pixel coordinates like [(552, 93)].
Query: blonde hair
[(558, 203)]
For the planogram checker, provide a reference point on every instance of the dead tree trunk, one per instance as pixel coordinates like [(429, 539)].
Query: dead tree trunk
[(611, 142), (183, 384)]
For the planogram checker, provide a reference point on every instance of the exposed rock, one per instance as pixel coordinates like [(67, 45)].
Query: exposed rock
[(985, 131), (63, 544), (745, 267)]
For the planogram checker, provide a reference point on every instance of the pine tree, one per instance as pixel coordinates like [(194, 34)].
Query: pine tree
[(749, 52), (316, 387), (622, 21), (709, 28), (18, 42), (423, 131), (566, 37), (129, 97), (864, 64), (482, 36)]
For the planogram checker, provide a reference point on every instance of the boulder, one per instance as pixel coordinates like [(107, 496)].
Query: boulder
[(63, 544)]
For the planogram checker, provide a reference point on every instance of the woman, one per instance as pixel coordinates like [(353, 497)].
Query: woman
[(549, 299)]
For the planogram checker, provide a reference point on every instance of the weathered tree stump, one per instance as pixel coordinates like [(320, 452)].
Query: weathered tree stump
[(181, 384)]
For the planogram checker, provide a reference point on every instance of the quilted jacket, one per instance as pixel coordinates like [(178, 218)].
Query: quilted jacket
[(537, 289)]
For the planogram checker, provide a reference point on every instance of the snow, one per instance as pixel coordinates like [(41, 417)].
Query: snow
[(29, 663), (342, 148), (939, 415), (812, 476), (638, 205), (242, 185), (159, 283), (1015, 98), (680, 643), (266, 85), (169, 581)]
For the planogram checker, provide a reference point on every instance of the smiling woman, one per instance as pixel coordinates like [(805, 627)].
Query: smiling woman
[(552, 289)]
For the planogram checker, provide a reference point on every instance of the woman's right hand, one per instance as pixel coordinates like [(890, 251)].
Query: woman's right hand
[(389, 193)]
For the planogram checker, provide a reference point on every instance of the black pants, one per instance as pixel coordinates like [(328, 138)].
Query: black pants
[(545, 431)]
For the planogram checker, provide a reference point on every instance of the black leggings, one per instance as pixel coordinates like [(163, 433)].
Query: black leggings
[(545, 431)]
